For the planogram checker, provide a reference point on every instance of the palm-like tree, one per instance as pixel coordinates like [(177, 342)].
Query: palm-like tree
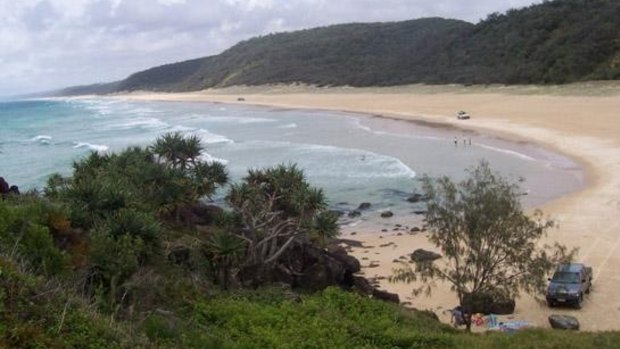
[(178, 151), (277, 208), (224, 251), (325, 227)]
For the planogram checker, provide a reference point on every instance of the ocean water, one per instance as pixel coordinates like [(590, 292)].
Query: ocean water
[(355, 158)]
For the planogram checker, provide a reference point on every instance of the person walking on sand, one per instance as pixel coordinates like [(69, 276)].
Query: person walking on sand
[(457, 319), (456, 142)]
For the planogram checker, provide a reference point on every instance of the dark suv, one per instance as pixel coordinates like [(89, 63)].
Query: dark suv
[(569, 284)]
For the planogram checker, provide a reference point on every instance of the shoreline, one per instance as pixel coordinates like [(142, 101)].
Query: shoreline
[(582, 127)]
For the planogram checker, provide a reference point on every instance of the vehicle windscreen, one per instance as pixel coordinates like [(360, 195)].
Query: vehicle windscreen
[(565, 277)]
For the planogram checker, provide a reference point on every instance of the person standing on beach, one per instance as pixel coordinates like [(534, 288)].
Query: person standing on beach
[(456, 142)]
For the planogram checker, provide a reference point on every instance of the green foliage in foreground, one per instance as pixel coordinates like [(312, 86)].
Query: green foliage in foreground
[(35, 313)]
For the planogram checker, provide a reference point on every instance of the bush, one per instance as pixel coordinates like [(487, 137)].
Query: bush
[(24, 232)]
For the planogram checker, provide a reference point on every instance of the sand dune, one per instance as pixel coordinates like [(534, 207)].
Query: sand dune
[(582, 121)]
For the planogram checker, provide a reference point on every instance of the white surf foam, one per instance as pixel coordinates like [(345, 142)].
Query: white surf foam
[(327, 161), (238, 120), (288, 126), (100, 148), (42, 139), (211, 138), (142, 122), (206, 157), (508, 152)]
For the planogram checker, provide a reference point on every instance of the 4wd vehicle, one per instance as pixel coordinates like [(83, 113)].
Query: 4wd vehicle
[(462, 115), (569, 284)]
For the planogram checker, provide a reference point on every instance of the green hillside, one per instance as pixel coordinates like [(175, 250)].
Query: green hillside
[(558, 41)]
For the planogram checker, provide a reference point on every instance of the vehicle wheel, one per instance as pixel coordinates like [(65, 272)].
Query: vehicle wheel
[(589, 288), (550, 303), (579, 302)]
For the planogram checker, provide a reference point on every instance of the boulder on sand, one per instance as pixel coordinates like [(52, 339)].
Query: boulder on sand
[(421, 255), (563, 322), (387, 214)]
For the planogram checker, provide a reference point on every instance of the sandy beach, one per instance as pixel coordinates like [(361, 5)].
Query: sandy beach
[(582, 121)]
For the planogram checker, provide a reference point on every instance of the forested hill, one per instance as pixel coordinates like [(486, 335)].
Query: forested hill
[(555, 42)]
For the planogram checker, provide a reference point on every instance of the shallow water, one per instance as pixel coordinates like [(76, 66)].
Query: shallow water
[(355, 158)]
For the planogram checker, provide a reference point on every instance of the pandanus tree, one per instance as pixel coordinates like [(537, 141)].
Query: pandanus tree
[(277, 208), (224, 251), (194, 178)]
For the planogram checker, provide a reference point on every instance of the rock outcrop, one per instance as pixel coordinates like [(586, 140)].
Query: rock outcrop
[(311, 268), (5, 189)]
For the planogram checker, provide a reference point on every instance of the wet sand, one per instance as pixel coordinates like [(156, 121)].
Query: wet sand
[(581, 121)]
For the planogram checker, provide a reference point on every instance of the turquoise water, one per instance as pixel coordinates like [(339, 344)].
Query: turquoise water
[(355, 158)]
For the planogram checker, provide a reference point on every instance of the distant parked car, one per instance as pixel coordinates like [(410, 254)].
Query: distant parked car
[(569, 284), (462, 115)]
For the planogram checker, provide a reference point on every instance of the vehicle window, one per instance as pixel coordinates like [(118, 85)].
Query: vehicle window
[(563, 276)]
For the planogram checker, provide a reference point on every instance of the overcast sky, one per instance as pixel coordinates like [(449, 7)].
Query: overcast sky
[(47, 44)]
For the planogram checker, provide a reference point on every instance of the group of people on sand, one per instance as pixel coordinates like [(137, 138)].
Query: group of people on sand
[(466, 141)]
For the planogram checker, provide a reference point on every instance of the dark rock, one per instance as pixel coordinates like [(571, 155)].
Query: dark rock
[(14, 190), (563, 322), (4, 186), (415, 198), (396, 261), (398, 225), (421, 255), (486, 304), (354, 214), (415, 230), (387, 214), (353, 243), (384, 230), (419, 212), (353, 233), (350, 263), (399, 234), (386, 296), (336, 213), (305, 266), (373, 265), (363, 286), (364, 206)]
